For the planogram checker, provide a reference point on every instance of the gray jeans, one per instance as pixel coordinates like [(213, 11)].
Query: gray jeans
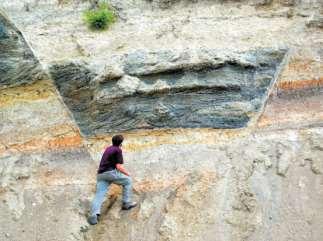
[(102, 187)]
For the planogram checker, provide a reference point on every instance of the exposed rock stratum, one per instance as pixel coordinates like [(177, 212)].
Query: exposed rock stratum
[(220, 103)]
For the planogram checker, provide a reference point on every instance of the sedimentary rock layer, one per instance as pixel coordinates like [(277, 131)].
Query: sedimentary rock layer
[(241, 184), (145, 90), (33, 118), (294, 108), (18, 65), (40, 190), (234, 186), (228, 185)]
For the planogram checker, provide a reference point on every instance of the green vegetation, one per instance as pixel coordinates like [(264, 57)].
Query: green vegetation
[(100, 18)]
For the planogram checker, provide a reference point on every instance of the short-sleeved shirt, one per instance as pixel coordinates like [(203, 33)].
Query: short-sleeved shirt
[(110, 158)]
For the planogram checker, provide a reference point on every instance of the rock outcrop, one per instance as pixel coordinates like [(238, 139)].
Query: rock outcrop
[(202, 88), (160, 62), (18, 65)]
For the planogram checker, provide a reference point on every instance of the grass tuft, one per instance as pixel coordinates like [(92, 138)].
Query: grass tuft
[(100, 18)]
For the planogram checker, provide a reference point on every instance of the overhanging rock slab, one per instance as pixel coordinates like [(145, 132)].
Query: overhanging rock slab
[(169, 89)]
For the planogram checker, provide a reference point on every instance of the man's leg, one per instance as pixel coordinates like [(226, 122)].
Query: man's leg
[(101, 190), (126, 183)]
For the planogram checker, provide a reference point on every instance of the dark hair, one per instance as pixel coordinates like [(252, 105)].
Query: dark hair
[(117, 140)]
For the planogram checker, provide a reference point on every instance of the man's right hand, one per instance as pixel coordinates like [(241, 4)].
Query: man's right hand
[(121, 168)]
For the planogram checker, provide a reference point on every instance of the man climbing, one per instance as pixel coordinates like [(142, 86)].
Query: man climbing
[(111, 170)]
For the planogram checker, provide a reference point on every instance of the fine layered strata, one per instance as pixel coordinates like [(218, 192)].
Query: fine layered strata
[(18, 64), (169, 89)]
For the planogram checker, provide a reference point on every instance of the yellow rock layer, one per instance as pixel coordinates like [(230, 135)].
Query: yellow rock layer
[(39, 90), (56, 136), (142, 139)]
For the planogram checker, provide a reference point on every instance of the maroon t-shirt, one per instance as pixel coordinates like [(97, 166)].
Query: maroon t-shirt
[(110, 158)]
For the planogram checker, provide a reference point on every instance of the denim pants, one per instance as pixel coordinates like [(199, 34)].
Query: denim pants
[(102, 187)]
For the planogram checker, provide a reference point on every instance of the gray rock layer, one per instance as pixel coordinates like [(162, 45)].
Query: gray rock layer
[(18, 65), (169, 89)]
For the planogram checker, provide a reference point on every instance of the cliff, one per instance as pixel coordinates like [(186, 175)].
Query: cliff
[(220, 103)]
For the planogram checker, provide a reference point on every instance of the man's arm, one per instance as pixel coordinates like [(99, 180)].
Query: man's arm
[(119, 165), (121, 168)]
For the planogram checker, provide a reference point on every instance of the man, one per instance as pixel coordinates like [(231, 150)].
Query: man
[(111, 170)]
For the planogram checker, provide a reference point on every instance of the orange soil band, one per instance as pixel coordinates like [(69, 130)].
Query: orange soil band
[(300, 84), (51, 144), (70, 141)]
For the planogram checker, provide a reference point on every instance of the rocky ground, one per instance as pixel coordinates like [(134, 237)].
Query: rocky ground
[(259, 182)]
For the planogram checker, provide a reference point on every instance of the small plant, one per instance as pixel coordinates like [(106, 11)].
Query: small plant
[(100, 18)]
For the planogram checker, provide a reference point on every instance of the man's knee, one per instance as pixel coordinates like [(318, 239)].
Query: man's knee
[(128, 181)]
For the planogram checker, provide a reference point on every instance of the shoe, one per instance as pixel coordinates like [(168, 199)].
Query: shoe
[(93, 219), (130, 205)]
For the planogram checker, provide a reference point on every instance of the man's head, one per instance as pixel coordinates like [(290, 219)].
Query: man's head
[(117, 140)]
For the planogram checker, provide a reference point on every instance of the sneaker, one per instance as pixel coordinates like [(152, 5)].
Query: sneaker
[(93, 219), (130, 205)]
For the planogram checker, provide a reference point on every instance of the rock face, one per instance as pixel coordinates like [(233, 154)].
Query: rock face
[(18, 65), (226, 190), (205, 88), (27, 183), (315, 21), (163, 64)]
